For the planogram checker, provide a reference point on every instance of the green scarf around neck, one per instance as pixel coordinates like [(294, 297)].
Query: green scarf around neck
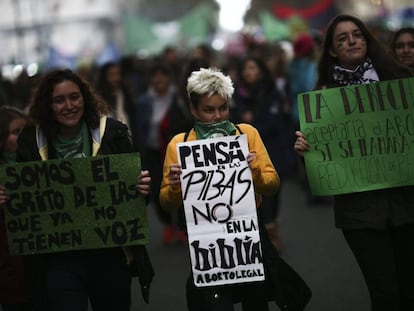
[(76, 147), (213, 130)]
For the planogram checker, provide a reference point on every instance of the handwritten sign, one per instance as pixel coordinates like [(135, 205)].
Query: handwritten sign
[(361, 137), (220, 211), (71, 204)]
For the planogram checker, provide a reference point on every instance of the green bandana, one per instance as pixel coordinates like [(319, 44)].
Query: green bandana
[(77, 147), (213, 130)]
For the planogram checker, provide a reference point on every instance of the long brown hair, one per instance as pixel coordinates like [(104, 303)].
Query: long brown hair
[(401, 31), (385, 65)]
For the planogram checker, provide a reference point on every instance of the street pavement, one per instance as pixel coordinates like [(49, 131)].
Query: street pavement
[(311, 245)]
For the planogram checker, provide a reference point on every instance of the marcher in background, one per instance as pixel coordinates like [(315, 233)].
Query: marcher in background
[(402, 46), (280, 71), (112, 87), (209, 91), (203, 51), (178, 120), (171, 57), (302, 72), (379, 224), (70, 121), (151, 118), (302, 76), (13, 295), (258, 102)]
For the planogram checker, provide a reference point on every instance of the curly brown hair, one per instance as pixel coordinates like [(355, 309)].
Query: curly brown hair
[(41, 108)]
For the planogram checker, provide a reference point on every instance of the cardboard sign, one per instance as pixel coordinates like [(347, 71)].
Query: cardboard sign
[(361, 137), (73, 204), (220, 211)]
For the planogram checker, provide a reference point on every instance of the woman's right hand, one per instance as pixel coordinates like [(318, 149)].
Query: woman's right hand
[(301, 144), (144, 183), (3, 195), (175, 174)]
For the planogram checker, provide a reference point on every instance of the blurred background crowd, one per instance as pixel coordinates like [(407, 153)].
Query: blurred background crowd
[(37, 35)]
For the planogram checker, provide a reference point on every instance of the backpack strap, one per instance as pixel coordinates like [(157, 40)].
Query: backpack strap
[(186, 135), (238, 128)]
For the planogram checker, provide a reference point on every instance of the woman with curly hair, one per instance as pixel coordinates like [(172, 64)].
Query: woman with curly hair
[(70, 122)]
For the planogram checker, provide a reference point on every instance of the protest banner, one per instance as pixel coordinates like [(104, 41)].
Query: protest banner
[(361, 136), (73, 204), (220, 211)]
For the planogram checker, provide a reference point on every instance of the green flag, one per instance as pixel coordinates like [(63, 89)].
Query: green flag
[(138, 33), (273, 28), (198, 24), (191, 29)]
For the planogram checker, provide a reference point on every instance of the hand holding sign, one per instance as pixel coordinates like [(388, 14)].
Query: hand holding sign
[(250, 157), (3, 195), (175, 174), (301, 144), (144, 183)]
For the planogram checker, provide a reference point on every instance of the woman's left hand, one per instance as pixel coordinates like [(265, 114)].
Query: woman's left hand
[(301, 145), (3, 195), (144, 183)]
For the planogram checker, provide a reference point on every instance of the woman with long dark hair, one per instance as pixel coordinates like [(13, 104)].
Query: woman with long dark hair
[(378, 225), (402, 46), (258, 102)]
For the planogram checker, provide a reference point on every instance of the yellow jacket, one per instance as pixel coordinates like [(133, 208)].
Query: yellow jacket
[(265, 178)]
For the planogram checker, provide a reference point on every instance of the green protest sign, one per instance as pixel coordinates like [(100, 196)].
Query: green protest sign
[(361, 137), (72, 204)]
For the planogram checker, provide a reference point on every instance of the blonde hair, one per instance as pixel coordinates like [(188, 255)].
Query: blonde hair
[(209, 81)]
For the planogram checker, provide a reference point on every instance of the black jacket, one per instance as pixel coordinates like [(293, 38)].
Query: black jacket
[(375, 209), (114, 139)]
